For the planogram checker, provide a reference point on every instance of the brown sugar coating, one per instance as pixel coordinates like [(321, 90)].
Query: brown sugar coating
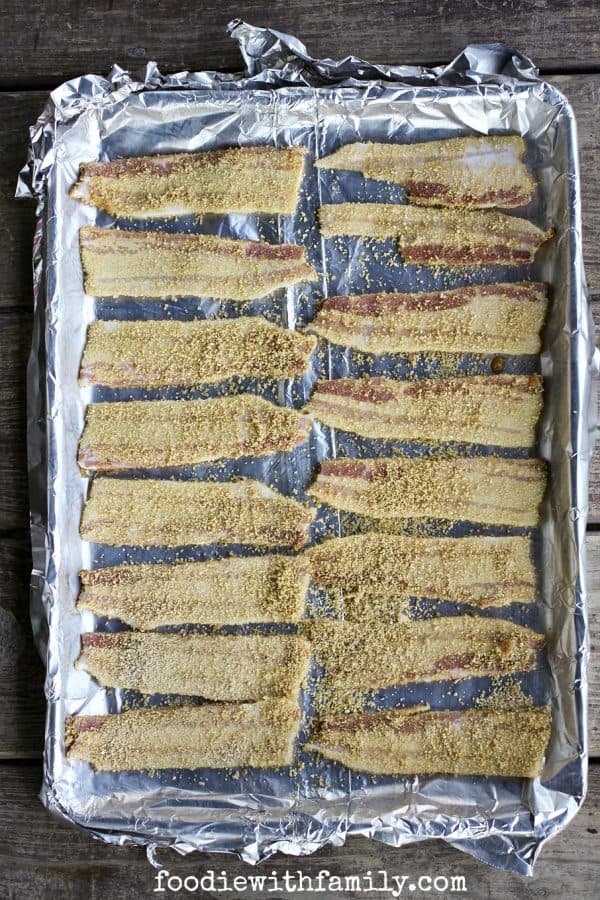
[(237, 179), (230, 591), (375, 572), (164, 513), (489, 318), (488, 489), (500, 410), (369, 655), (155, 264), (469, 171), (214, 666), (508, 742), (378, 572), (186, 354), (150, 433), (215, 735), (439, 237)]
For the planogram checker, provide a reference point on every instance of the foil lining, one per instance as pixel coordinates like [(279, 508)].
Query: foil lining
[(284, 97)]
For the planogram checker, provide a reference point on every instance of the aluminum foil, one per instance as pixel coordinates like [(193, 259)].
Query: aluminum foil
[(285, 97)]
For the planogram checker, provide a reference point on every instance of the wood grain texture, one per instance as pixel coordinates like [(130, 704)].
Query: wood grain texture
[(42, 45), (594, 489), (21, 674), (16, 227), (21, 725), (42, 857), (58, 39), (19, 110), (593, 588), (583, 92), (17, 113), (15, 338), (14, 341)]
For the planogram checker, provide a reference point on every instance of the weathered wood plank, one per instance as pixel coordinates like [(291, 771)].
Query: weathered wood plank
[(37, 851), (21, 726), (17, 113), (46, 42), (19, 110), (593, 588), (21, 672), (594, 491), (15, 337), (21, 675), (14, 340), (16, 226), (583, 92)]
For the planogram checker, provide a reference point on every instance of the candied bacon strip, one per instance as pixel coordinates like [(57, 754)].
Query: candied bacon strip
[(480, 571), (486, 318), (468, 171), (211, 736), (487, 490), (237, 179), (368, 656), (506, 742), (500, 410), (150, 433), (155, 264), (231, 591), (230, 667), (185, 354), (164, 513), (439, 237)]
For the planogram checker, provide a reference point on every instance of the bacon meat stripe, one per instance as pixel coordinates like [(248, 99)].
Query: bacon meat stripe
[(212, 736), (487, 490), (147, 433), (164, 353), (439, 237), (231, 591), (153, 264), (164, 513), (500, 410), (230, 667), (506, 742), (367, 656), (468, 171), (483, 318), (479, 571), (238, 179)]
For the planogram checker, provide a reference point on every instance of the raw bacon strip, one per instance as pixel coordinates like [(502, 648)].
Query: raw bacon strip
[(486, 318), (147, 433), (500, 410), (507, 742), (153, 264), (185, 354), (439, 237), (480, 571), (148, 513), (238, 179), (212, 736), (368, 656), (468, 171), (214, 666), (230, 591), (488, 490)]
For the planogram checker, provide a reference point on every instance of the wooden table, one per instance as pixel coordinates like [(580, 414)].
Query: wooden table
[(42, 45)]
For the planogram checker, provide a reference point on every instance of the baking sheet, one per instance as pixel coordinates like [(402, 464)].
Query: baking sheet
[(286, 98)]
